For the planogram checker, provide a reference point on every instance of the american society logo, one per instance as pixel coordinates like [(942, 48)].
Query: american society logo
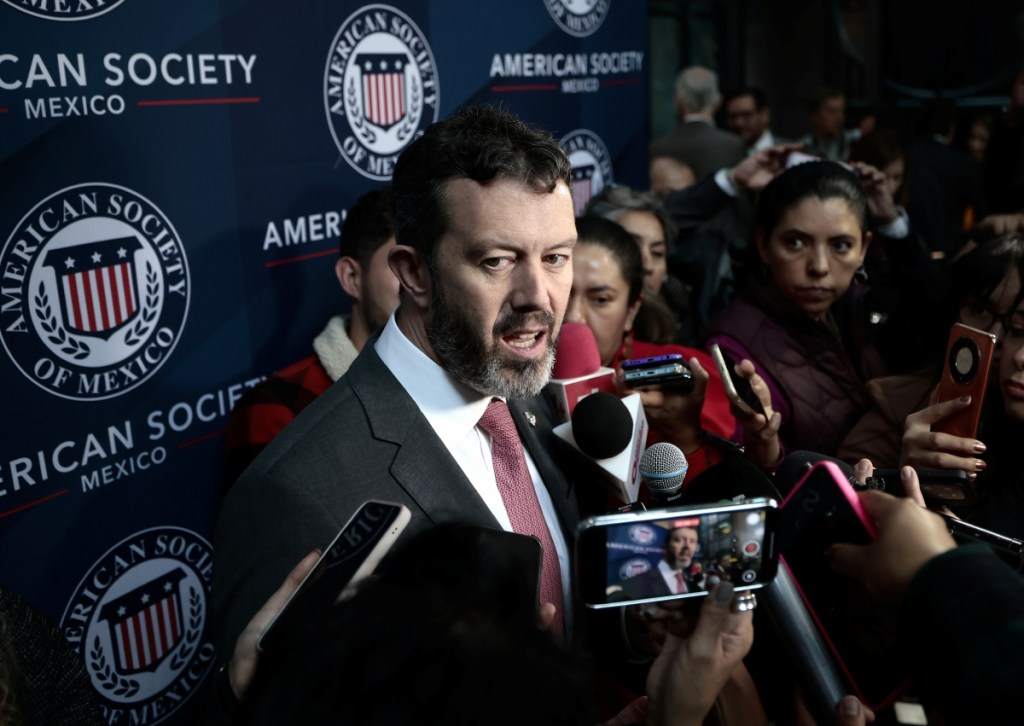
[(94, 291), (578, 17), (591, 165), (381, 88), (65, 9), (138, 620)]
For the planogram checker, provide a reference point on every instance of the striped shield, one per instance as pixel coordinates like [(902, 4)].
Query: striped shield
[(582, 186), (99, 292), (383, 74), (146, 623)]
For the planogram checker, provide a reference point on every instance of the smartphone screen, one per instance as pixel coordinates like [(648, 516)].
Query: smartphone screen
[(737, 388), (651, 556), (669, 370), (821, 510), (351, 556)]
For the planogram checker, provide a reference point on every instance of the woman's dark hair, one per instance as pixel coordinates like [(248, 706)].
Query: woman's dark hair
[(976, 274), (655, 322), (813, 179), (615, 200)]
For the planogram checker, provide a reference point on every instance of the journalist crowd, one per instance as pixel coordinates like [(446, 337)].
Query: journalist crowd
[(827, 270)]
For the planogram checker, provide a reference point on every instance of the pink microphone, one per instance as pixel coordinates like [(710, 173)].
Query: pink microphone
[(578, 371)]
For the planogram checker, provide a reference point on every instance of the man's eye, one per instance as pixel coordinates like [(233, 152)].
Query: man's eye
[(497, 263), (557, 260)]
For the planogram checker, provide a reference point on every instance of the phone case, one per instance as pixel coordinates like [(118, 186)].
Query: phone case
[(728, 376), (821, 510), (656, 360), (965, 373), (352, 555)]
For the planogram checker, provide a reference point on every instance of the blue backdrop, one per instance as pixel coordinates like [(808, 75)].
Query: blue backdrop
[(173, 177)]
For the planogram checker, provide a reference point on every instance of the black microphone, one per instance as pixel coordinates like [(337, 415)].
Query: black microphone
[(663, 468), (823, 684), (610, 432)]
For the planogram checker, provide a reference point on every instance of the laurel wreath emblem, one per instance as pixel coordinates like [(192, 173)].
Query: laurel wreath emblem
[(109, 680), (191, 639), (147, 316), (55, 333), (407, 126), (355, 114)]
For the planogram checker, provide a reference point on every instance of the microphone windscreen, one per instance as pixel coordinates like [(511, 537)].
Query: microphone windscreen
[(576, 353), (601, 425), (663, 466), (795, 465), (730, 478)]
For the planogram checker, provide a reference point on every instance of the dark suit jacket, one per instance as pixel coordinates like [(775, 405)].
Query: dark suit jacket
[(705, 148), (364, 438), (652, 584)]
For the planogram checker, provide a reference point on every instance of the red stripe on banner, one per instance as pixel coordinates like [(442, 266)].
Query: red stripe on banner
[(129, 291), (139, 644), (527, 87), (31, 504), (198, 101), (392, 97), (117, 294), (113, 308), (89, 323), (4, 110), (300, 258), (152, 644), (101, 298), (201, 439), (71, 296), (172, 618), (382, 111), (622, 82), (166, 608), (128, 651)]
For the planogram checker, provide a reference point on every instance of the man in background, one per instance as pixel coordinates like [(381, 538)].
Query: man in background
[(697, 142), (674, 574), (829, 138), (367, 236), (748, 116)]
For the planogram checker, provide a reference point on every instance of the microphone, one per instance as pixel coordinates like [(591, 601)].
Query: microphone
[(823, 685), (610, 434), (578, 371), (663, 468)]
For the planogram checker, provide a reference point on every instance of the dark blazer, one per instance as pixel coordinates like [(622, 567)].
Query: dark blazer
[(652, 584), (703, 147), (364, 438)]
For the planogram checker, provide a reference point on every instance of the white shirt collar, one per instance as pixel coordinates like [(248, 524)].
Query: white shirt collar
[(452, 409)]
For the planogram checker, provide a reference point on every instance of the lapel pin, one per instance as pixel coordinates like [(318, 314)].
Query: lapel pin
[(530, 418)]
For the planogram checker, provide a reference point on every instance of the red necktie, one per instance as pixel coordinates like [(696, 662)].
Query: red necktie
[(520, 498), (680, 582)]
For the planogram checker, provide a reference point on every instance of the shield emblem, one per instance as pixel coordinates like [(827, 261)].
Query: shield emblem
[(582, 186), (146, 623), (383, 76), (98, 286)]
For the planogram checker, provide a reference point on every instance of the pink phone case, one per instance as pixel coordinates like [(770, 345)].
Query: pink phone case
[(826, 486)]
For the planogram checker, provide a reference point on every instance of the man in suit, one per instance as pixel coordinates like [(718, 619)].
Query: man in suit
[(485, 228), (748, 115), (697, 142), (674, 574)]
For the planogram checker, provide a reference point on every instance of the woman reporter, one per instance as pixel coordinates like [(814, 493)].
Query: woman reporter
[(607, 294)]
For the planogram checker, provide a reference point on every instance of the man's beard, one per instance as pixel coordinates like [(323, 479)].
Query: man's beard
[(479, 363)]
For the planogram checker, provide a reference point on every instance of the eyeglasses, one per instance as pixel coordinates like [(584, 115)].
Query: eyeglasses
[(983, 318)]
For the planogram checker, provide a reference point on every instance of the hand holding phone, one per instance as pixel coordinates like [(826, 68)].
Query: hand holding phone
[(351, 556), (737, 387)]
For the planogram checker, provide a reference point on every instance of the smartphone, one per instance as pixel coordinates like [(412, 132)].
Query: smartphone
[(965, 373), (351, 556), (821, 510), (662, 370), (737, 388), (939, 486), (680, 552)]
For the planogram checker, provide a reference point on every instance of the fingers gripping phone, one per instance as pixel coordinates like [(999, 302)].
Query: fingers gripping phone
[(681, 552), (965, 373), (821, 510), (662, 370), (737, 388), (352, 555)]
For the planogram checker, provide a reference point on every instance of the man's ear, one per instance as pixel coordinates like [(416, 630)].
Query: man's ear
[(413, 275), (350, 276)]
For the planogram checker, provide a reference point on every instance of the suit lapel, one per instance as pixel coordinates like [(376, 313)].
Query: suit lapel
[(422, 466)]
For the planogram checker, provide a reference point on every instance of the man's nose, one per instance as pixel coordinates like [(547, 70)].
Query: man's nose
[(530, 291)]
